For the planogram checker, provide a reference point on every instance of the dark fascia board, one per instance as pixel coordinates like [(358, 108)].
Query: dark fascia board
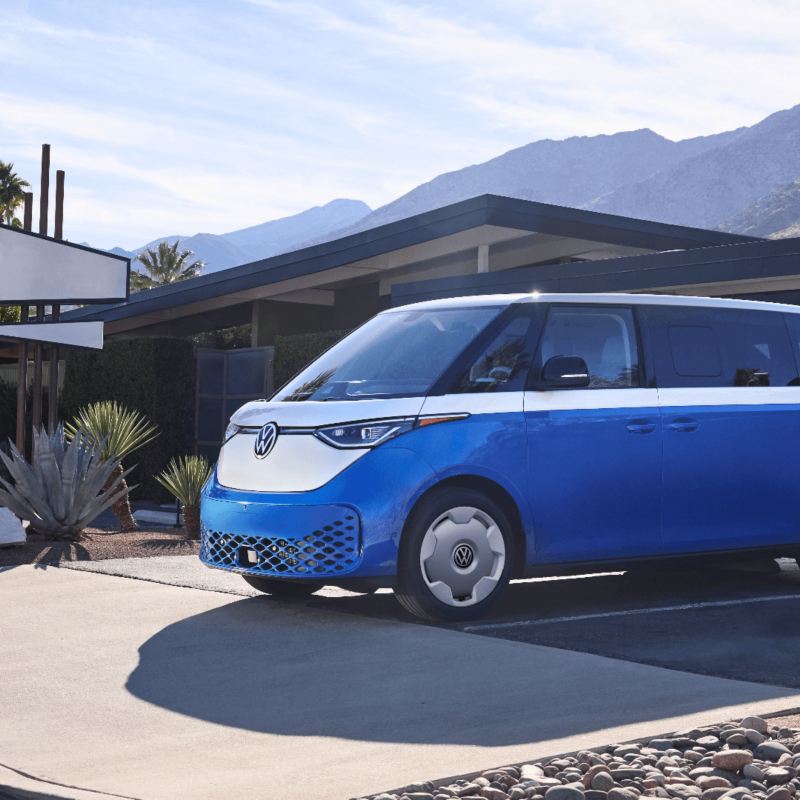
[(482, 210), (75, 300), (750, 260)]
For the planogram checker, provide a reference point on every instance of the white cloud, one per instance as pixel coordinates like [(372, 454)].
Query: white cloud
[(180, 117)]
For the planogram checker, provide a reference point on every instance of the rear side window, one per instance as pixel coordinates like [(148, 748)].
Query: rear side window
[(695, 351), (603, 336), (706, 347)]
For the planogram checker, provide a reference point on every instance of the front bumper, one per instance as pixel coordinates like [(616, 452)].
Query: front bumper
[(280, 541), (348, 528)]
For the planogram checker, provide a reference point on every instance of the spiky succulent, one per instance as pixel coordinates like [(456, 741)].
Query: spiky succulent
[(117, 430), (64, 488), (184, 477)]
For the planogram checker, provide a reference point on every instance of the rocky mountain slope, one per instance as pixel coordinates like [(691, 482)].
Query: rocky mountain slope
[(776, 215), (219, 251), (745, 181)]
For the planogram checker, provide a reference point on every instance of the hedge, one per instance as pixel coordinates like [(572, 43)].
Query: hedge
[(292, 353), (154, 376), (8, 411)]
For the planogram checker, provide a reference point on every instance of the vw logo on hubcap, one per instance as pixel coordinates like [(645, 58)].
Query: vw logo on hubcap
[(463, 556), (265, 440)]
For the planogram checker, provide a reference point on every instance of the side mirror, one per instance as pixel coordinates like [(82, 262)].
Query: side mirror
[(565, 372)]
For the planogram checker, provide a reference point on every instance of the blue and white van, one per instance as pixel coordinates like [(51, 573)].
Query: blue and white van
[(445, 447)]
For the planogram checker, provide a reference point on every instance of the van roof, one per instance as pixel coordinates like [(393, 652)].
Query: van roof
[(599, 298)]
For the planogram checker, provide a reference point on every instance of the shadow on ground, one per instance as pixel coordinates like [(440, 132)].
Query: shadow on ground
[(259, 665)]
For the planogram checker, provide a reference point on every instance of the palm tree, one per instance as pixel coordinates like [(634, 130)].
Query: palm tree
[(165, 264), (116, 431), (12, 193)]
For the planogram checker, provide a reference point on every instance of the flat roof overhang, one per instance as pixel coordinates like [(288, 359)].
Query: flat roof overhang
[(435, 243), (754, 267)]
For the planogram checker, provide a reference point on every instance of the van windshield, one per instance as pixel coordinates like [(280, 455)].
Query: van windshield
[(399, 354)]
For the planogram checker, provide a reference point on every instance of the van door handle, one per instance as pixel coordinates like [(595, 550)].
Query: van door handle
[(641, 426), (683, 425)]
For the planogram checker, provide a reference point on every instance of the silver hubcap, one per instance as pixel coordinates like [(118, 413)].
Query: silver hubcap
[(462, 556)]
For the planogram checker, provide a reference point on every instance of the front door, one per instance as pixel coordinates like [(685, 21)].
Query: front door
[(594, 454), (731, 415)]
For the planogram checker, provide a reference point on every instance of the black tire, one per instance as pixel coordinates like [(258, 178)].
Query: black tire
[(412, 592), (283, 590)]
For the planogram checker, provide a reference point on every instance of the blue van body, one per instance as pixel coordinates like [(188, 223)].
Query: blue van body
[(682, 442)]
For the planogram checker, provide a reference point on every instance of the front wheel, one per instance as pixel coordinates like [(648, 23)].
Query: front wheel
[(283, 590), (455, 556)]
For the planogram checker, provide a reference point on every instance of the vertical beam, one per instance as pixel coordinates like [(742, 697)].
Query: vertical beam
[(22, 352), (38, 350), (27, 216), (483, 258), (44, 196), (52, 375)]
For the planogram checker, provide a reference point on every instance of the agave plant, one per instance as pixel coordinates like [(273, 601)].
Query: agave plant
[(65, 488), (184, 477), (117, 431)]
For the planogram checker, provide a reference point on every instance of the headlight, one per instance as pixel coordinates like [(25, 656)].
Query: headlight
[(364, 434), (231, 430)]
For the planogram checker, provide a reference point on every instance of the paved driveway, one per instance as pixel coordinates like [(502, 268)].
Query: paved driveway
[(154, 691)]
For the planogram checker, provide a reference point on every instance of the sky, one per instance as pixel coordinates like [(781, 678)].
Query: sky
[(184, 117)]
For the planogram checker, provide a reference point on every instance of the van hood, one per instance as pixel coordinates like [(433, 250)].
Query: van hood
[(314, 413)]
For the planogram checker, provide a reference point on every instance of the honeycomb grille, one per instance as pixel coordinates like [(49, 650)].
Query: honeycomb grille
[(330, 550)]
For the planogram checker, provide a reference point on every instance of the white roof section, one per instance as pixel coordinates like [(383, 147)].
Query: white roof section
[(472, 301), (38, 269), (69, 334)]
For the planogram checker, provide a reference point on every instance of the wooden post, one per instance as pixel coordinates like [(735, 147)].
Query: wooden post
[(52, 375), (38, 350), (44, 196), (22, 351)]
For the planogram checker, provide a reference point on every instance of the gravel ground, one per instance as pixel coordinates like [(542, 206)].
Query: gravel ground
[(753, 759), (99, 544)]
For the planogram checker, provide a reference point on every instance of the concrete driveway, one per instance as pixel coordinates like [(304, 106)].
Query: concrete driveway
[(152, 691)]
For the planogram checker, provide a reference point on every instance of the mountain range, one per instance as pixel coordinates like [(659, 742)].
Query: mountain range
[(745, 181), (219, 251)]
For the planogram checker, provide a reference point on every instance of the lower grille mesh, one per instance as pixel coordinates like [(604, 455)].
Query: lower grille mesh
[(332, 549)]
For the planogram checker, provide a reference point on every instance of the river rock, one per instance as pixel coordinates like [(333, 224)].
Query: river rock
[(573, 791), (772, 751), (756, 723), (603, 781), (732, 760)]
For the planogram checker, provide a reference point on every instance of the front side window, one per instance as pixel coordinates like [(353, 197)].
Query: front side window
[(603, 336), (503, 365), (396, 354)]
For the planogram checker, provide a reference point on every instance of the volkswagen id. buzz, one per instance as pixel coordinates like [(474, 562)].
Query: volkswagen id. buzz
[(445, 447)]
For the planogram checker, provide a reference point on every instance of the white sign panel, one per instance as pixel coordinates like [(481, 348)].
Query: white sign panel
[(71, 334), (37, 269)]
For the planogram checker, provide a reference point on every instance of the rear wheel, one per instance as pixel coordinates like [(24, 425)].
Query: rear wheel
[(456, 556), (284, 590)]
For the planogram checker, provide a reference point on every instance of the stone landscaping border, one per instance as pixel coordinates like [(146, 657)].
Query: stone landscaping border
[(746, 760)]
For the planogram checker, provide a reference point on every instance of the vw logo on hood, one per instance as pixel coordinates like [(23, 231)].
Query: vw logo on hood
[(265, 440)]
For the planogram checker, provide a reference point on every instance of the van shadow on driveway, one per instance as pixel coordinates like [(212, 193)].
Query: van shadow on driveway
[(257, 665)]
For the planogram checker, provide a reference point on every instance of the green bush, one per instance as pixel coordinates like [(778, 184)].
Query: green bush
[(8, 411), (153, 376), (292, 353)]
